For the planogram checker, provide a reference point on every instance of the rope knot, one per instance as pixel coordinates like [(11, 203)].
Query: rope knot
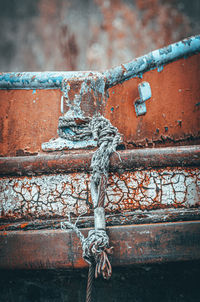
[(96, 249)]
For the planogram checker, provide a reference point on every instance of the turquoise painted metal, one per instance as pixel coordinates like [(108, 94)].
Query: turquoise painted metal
[(155, 59)]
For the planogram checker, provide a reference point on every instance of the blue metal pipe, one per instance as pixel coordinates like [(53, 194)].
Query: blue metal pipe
[(41, 80), (154, 59)]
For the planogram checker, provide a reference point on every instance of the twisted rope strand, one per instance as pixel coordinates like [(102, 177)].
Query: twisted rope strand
[(90, 282), (96, 246)]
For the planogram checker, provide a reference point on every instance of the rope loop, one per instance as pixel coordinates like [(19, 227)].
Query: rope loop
[(96, 247)]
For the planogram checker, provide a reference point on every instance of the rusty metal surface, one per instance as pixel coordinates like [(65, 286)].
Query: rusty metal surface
[(172, 112), (153, 243), (80, 161), (55, 195), (28, 118), (116, 219)]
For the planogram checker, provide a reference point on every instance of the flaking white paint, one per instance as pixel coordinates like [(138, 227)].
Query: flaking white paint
[(58, 194)]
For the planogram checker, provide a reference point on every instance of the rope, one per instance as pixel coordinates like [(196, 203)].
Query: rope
[(95, 247), (90, 282)]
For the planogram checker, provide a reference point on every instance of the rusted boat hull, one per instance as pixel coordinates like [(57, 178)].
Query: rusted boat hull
[(154, 177), (145, 179), (31, 102), (146, 243)]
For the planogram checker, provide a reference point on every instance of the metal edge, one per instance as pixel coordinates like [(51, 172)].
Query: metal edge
[(41, 80), (74, 162), (134, 244), (122, 219)]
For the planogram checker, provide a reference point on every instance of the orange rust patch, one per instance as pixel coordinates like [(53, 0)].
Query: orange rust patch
[(28, 120), (172, 112), (23, 225)]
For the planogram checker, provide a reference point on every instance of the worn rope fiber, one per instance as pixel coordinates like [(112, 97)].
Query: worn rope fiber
[(96, 246)]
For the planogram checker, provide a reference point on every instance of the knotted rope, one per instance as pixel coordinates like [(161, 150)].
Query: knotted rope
[(96, 246)]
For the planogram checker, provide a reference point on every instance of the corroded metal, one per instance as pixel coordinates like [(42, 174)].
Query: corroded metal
[(83, 98), (123, 218), (172, 116), (152, 243), (51, 196), (175, 99), (46, 188), (81, 161)]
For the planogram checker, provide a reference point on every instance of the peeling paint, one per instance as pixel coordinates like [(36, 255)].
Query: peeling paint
[(82, 97), (39, 80), (160, 68), (56, 195), (153, 60)]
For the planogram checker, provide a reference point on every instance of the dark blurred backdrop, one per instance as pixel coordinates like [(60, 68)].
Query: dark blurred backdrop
[(39, 35)]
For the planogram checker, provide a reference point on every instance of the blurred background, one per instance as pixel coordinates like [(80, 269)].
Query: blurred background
[(39, 35)]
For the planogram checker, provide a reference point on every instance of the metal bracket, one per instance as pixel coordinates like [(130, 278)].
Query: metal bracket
[(145, 94)]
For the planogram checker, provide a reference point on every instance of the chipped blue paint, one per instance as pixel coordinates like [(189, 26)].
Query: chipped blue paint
[(100, 81), (140, 75), (40, 80), (34, 91), (153, 60), (95, 84), (160, 68)]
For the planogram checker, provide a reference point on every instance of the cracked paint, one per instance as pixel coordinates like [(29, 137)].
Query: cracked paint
[(56, 195)]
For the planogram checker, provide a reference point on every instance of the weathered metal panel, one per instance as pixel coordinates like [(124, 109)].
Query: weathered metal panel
[(28, 117), (115, 219), (43, 189), (57, 195), (153, 243), (172, 112)]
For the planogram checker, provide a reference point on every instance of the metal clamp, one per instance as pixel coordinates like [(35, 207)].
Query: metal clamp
[(145, 94)]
